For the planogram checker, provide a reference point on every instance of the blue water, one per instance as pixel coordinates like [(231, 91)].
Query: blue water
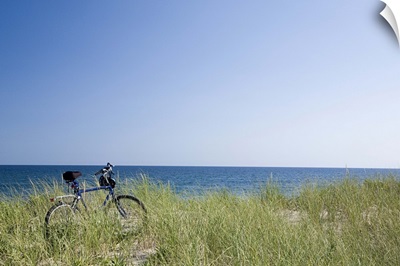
[(193, 179)]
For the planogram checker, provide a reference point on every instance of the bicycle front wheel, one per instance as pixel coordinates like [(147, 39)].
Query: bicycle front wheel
[(132, 213), (60, 219)]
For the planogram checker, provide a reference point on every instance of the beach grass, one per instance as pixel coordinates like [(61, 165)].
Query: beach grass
[(345, 223)]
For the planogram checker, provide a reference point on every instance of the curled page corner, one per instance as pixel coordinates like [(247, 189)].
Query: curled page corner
[(391, 13)]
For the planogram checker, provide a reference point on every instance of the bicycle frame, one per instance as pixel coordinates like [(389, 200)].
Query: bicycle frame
[(78, 193)]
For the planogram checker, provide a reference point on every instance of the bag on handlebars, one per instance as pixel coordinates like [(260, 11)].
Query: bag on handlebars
[(104, 182)]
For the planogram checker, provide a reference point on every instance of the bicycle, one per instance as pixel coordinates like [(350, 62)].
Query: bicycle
[(63, 214)]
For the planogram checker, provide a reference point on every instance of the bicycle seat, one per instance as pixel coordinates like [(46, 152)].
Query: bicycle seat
[(70, 176)]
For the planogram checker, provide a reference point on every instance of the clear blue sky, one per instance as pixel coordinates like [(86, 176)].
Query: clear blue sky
[(233, 83)]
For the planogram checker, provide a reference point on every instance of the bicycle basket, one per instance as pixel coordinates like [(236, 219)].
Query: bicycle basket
[(70, 176), (104, 182)]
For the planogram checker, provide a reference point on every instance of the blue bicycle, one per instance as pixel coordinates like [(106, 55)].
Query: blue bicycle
[(131, 211)]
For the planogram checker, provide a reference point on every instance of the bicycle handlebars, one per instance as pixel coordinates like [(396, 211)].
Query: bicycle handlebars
[(105, 169)]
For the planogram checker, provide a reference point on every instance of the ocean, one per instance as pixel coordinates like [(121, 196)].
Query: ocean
[(192, 179)]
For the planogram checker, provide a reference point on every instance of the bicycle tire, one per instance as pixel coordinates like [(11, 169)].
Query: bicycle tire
[(59, 219), (133, 213)]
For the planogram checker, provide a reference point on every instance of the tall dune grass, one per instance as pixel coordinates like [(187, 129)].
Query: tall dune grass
[(346, 223)]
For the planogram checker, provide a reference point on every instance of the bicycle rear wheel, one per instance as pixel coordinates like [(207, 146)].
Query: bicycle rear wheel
[(60, 220), (132, 213)]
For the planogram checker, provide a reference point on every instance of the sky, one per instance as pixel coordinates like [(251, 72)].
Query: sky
[(199, 83)]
